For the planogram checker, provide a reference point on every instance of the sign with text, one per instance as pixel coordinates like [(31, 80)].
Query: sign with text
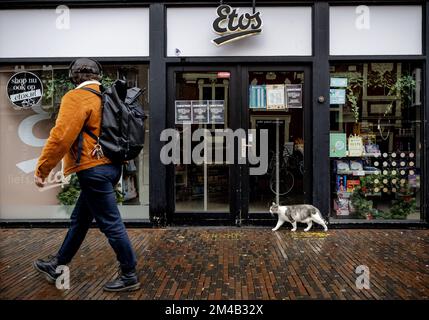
[(294, 95), (356, 148), (216, 111), (183, 111), (231, 26), (337, 96), (200, 112), (257, 97), (339, 82), (24, 90), (275, 96)]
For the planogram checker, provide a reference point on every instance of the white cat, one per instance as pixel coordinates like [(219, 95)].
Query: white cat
[(304, 213)]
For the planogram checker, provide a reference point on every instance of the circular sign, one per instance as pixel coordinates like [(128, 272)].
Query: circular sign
[(24, 90)]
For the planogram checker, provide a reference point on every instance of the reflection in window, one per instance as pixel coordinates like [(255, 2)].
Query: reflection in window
[(375, 140)]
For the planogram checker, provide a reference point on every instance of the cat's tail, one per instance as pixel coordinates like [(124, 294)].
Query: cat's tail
[(317, 211)]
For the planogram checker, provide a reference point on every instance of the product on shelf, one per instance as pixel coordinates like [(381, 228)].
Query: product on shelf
[(342, 204), (341, 183), (342, 166), (372, 149), (352, 184), (356, 165)]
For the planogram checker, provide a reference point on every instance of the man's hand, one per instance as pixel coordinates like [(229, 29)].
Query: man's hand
[(40, 182)]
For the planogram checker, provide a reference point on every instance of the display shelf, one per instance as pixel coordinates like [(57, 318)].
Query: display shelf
[(354, 172), (364, 155)]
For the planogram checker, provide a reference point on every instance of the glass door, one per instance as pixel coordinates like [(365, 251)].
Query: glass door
[(277, 114), (202, 178)]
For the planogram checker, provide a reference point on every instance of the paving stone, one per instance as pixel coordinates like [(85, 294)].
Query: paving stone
[(227, 263)]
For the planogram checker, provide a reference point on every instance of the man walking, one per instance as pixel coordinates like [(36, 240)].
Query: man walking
[(97, 178)]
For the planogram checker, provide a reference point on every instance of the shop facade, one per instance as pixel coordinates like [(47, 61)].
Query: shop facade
[(304, 102)]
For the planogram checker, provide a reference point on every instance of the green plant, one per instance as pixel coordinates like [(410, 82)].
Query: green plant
[(401, 207), (399, 87), (70, 193), (58, 86), (361, 205), (354, 87)]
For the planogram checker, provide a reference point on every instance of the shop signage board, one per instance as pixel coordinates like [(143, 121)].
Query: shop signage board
[(24, 90), (294, 95), (232, 26), (183, 111), (257, 97), (337, 96), (276, 96), (337, 145)]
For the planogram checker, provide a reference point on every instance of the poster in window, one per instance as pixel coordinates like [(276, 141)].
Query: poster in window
[(24, 90), (257, 97), (339, 82), (294, 95), (275, 96), (200, 112), (337, 96), (217, 111), (183, 111)]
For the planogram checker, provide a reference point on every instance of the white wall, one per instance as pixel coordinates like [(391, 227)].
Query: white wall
[(393, 30), (106, 32), (286, 31)]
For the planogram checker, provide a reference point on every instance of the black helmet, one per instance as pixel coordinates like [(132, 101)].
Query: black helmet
[(85, 65)]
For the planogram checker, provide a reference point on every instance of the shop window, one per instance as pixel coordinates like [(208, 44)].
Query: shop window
[(376, 140), (24, 131)]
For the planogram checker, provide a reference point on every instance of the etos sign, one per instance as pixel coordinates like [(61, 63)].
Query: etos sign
[(24, 90), (233, 26)]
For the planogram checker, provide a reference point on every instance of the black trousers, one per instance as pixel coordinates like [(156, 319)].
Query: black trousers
[(97, 200)]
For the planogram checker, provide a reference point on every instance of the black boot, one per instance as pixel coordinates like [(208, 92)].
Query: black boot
[(126, 281), (47, 268)]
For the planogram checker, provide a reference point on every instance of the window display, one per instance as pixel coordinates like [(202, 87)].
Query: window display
[(375, 141), (24, 131)]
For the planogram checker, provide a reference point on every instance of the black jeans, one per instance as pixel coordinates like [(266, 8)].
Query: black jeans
[(97, 200)]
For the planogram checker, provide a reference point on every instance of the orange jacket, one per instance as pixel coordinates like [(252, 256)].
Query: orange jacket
[(78, 107)]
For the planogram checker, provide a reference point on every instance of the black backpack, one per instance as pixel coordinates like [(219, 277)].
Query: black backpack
[(122, 123)]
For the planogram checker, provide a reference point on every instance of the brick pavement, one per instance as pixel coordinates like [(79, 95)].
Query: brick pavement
[(227, 263)]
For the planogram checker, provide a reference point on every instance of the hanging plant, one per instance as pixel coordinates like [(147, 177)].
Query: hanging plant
[(402, 89), (354, 88)]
